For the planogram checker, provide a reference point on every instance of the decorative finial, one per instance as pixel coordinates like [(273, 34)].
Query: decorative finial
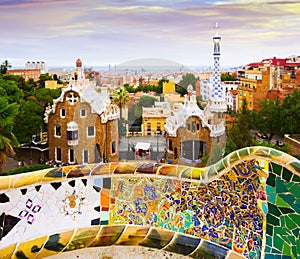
[(216, 26)]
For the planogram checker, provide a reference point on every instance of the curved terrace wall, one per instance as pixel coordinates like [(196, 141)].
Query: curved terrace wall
[(245, 206)]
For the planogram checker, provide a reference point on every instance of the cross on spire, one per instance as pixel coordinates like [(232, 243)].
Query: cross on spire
[(216, 26)]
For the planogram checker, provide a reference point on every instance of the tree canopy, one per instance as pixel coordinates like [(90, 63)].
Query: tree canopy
[(29, 120), (10, 90), (43, 78), (31, 100), (239, 135), (187, 79), (4, 66), (279, 117), (227, 77)]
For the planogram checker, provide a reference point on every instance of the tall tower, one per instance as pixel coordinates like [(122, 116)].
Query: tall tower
[(78, 74), (217, 99), (214, 111)]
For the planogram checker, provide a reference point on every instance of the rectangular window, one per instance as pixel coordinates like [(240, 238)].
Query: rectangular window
[(71, 156), (113, 147), (62, 113), (85, 156), (91, 131), (57, 131), (83, 113), (170, 145), (148, 128), (158, 127), (58, 154)]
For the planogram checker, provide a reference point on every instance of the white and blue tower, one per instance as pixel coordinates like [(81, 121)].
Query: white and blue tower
[(217, 98), (214, 111)]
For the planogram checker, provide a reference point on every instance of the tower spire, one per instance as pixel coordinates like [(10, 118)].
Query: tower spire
[(217, 96)]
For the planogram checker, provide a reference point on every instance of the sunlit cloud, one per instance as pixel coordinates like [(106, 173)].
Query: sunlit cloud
[(252, 2), (178, 29)]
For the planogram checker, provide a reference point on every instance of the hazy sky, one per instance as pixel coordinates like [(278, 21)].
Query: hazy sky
[(103, 32)]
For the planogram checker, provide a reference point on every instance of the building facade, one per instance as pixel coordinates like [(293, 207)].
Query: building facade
[(275, 75), (25, 73), (154, 118), (82, 123)]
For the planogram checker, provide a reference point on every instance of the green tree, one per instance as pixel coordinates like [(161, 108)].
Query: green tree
[(120, 98), (159, 88), (135, 117), (30, 86), (129, 88), (8, 141), (227, 77), (10, 90), (20, 81), (4, 66), (43, 78), (146, 101), (239, 135), (29, 120), (268, 118), (290, 114), (135, 113), (45, 96), (279, 118), (187, 79)]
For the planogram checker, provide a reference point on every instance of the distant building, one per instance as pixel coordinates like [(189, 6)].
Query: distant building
[(154, 118), (37, 65), (25, 73), (168, 87), (32, 70), (82, 123), (269, 78)]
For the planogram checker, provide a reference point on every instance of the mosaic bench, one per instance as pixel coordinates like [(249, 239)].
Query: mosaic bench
[(245, 206)]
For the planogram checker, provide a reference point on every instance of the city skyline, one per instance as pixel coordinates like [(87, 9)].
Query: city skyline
[(113, 32)]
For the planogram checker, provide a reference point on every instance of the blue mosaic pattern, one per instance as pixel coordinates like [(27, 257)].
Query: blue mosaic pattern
[(244, 206)]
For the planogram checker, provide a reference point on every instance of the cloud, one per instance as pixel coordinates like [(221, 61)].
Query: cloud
[(172, 29)]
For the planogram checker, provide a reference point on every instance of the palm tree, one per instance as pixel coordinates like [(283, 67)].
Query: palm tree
[(120, 98), (4, 66), (8, 140)]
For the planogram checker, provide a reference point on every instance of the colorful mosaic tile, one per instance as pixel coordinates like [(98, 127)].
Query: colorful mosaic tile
[(245, 206)]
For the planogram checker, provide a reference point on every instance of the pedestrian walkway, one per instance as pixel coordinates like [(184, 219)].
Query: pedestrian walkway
[(158, 143)]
